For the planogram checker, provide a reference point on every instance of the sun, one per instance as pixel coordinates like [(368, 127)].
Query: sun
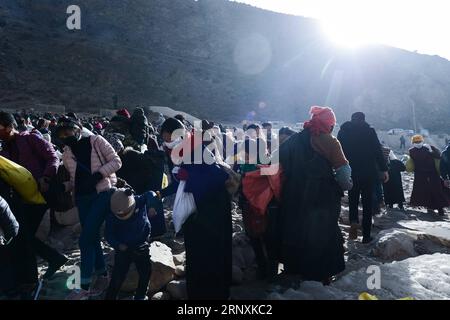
[(349, 33)]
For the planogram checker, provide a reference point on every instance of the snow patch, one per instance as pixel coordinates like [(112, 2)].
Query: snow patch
[(422, 278)]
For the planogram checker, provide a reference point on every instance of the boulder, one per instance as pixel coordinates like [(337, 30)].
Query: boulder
[(395, 244), (44, 228), (163, 266), (438, 231), (68, 218), (66, 237), (180, 271), (163, 269), (180, 259), (177, 289)]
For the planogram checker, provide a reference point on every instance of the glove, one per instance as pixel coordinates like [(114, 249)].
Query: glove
[(97, 177), (344, 177)]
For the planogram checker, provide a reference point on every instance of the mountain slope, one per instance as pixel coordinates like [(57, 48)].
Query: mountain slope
[(213, 58)]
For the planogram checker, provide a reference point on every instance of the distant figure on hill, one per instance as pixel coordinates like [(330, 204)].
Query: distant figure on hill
[(402, 142)]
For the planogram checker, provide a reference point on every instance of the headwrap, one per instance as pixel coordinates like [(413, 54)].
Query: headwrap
[(322, 120), (124, 112), (98, 126), (417, 138), (115, 140)]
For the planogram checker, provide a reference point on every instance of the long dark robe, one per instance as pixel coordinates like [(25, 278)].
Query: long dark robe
[(208, 235), (208, 242), (393, 189), (311, 240), (428, 190)]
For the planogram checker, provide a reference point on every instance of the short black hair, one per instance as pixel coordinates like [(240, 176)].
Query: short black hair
[(253, 126), (179, 117), (67, 123), (358, 116), (267, 124), (170, 125), (7, 119)]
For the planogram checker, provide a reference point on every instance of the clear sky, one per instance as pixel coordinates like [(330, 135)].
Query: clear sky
[(422, 25)]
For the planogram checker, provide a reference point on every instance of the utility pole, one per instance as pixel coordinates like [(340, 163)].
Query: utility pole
[(414, 115)]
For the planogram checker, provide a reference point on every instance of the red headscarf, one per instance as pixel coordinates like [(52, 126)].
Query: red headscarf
[(322, 119), (124, 113)]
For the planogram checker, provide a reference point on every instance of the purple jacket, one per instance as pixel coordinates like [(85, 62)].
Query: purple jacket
[(34, 153)]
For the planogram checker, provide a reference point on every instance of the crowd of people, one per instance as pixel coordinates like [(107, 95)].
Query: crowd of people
[(112, 170)]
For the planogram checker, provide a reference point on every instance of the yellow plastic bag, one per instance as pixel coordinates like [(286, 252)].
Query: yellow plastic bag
[(21, 180), (165, 182), (368, 296), (409, 165)]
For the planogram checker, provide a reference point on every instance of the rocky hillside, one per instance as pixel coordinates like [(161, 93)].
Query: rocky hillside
[(213, 58)]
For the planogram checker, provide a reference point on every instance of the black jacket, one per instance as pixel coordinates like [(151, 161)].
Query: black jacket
[(310, 241), (362, 149), (8, 223), (445, 163), (142, 171)]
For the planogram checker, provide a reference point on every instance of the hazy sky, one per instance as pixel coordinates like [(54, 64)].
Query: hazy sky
[(422, 25)]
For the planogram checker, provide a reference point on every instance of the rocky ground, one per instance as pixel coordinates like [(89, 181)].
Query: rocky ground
[(411, 248)]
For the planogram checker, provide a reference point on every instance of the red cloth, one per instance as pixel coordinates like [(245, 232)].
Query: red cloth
[(322, 119), (124, 112), (259, 189)]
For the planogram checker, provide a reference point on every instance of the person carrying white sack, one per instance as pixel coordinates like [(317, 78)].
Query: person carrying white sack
[(208, 227)]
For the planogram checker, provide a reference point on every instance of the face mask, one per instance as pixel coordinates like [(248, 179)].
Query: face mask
[(173, 144), (71, 140), (418, 145)]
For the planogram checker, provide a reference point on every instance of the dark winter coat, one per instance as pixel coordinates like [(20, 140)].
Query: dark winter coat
[(445, 163), (393, 189), (362, 149), (142, 171), (428, 190), (8, 223), (33, 153), (311, 240)]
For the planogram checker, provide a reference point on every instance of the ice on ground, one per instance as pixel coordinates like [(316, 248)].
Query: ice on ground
[(423, 277)]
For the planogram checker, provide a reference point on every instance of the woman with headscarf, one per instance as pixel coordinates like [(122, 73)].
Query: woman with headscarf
[(428, 190), (393, 189), (208, 231), (316, 173)]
